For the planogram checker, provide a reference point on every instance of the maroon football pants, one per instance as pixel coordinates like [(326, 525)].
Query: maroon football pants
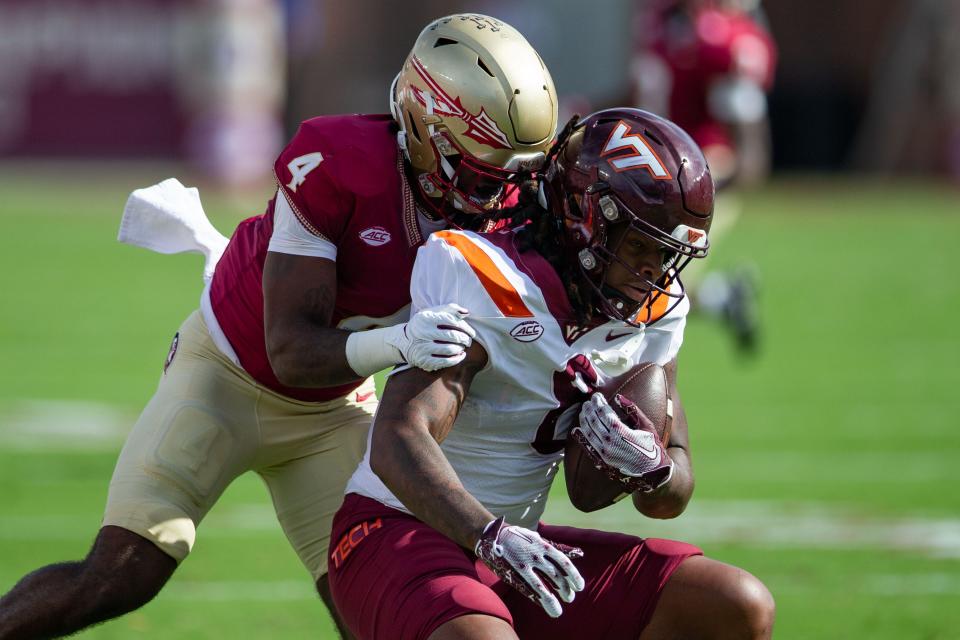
[(394, 577)]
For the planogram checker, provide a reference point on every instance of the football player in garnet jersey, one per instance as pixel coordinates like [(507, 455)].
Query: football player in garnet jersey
[(273, 373), (708, 65), (448, 498)]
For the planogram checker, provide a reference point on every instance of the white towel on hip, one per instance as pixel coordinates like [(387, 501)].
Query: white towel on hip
[(168, 218)]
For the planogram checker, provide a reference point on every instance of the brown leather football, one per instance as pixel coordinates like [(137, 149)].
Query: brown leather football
[(646, 385)]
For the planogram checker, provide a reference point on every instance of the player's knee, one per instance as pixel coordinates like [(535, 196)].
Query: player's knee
[(116, 592), (124, 571), (754, 607)]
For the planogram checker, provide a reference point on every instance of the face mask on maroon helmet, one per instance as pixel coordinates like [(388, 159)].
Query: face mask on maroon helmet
[(675, 251), (629, 167)]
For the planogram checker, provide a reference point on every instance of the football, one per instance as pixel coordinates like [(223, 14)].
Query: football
[(589, 488)]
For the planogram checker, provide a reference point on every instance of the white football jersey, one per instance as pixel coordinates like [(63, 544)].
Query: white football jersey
[(507, 442)]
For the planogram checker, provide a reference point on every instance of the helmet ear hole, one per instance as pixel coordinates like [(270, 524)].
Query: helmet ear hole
[(413, 127)]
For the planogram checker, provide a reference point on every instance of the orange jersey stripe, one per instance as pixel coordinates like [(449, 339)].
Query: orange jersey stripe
[(499, 289), (659, 308), (655, 309)]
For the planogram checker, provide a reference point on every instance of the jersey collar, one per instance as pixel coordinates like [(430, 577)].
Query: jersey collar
[(410, 223)]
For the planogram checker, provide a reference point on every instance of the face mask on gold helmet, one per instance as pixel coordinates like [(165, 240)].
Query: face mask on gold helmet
[(477, 112)]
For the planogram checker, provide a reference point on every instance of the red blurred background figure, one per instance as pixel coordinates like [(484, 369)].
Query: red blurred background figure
[(708, 66)]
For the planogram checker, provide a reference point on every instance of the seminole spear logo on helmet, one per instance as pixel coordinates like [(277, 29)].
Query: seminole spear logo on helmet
[(480, 127)]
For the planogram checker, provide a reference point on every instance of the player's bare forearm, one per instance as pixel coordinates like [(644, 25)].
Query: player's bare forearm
[(299, 294), (416, 413), (670, 500)]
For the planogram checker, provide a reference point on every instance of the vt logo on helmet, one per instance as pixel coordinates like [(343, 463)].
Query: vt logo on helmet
[(477, 112), (639, 152), (635, 200)]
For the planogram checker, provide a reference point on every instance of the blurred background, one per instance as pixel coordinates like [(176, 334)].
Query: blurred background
[(820, 376), (223, 83)]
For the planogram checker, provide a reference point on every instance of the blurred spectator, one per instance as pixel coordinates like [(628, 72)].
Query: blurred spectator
[(708, 65), (195, 79), (232, 81)]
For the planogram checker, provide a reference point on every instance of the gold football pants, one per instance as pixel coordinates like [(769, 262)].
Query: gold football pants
[(209, 422)]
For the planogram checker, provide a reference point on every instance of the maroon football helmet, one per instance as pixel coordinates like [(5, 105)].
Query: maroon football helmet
[(629, 167)]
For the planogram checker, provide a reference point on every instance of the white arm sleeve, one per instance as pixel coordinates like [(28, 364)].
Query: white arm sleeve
[(290, 236), (436, 275)]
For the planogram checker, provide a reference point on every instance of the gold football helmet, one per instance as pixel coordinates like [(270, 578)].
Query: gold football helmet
[(477, 112)]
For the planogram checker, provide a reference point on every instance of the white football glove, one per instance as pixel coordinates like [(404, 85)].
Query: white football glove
[(633, 455), (435, 338), (520, 557), (432, 339)]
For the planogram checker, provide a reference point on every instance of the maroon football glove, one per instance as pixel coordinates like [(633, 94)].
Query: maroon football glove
[(521, 558), (631, 454)]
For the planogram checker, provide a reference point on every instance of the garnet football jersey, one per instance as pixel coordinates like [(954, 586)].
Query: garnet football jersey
[(507, 442), (342, 177)]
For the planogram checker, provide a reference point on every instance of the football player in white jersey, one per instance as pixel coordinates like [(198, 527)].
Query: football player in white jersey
[(440, 533)]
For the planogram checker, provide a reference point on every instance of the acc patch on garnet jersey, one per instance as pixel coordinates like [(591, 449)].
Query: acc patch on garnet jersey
[(375, 236)]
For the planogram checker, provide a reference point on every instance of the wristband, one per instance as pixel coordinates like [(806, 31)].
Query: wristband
[(370, 351)]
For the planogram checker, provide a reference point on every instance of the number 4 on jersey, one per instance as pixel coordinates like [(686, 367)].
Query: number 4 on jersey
[(301, 166)]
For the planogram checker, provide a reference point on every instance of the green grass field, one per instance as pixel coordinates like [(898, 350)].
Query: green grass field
[(829, 466)]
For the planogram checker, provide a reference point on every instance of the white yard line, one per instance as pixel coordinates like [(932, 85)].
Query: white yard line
[(897, 584), (776, 525), (63, 425), (250, 590), (44, 425)]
